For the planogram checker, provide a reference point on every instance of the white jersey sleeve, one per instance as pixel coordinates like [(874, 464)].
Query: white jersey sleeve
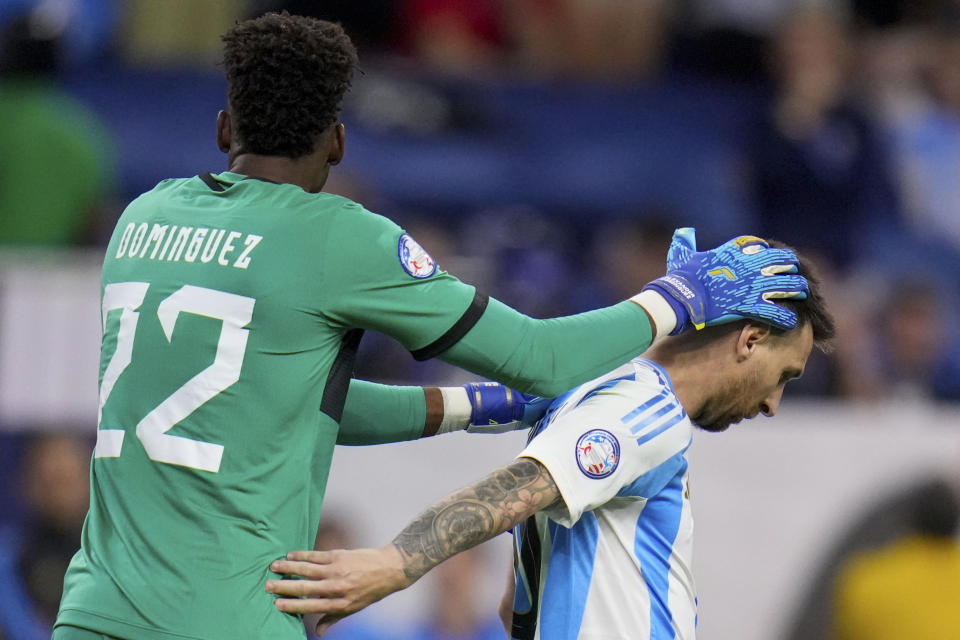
[(619, 434)]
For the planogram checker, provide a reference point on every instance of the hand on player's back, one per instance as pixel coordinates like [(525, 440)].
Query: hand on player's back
[(336, 583), (741, 278), (496, 408)]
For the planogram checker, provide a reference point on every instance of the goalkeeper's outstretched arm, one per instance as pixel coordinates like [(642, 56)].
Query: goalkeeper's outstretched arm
[(740, 279), (378, 414)]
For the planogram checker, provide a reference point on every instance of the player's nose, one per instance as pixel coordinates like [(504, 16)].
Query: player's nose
[(769, 406)]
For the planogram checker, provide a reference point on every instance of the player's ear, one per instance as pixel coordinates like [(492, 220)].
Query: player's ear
[(750, 338), (224, 131), (337, 144)]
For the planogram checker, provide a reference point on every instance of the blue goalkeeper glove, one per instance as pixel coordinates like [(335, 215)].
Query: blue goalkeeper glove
[(739, 279), (498, 409)]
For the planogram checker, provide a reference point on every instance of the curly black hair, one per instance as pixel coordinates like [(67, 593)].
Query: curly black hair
[(287, 76)]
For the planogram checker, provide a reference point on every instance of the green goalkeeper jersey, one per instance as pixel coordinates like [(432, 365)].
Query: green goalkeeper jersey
[(231, 309), (228, 325)]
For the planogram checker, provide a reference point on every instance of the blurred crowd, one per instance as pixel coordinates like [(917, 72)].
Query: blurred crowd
[(846, 146), (848, 149)]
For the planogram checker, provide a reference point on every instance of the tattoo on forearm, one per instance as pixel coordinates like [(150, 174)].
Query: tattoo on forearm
[(475, 514)]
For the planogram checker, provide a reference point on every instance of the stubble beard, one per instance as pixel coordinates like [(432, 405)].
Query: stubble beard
[(722, 409)]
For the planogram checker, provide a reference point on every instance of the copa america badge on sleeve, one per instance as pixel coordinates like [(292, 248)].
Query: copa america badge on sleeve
[(598, 453), (414, 259)]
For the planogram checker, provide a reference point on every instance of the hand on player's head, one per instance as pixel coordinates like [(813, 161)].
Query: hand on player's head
[(741, 278)]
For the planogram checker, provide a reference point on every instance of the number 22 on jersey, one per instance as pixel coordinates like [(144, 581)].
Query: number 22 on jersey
[(234, 312)]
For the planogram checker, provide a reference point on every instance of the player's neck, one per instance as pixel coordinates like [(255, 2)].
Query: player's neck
[(691, 373), (307, 172)]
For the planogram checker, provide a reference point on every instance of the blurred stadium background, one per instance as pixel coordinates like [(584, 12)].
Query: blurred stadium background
[(544, 150)]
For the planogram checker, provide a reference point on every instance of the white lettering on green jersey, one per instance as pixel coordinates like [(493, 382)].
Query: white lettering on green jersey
[(190, 243), (223, 314)]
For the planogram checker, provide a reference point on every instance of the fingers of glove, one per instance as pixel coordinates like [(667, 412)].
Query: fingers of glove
[(770, 313), (683, 245), (770, 296), (724, 319), (775, 269), (749, 244), (783, 286), (534, 409), (685, 237), (744, 265), (768, 257)]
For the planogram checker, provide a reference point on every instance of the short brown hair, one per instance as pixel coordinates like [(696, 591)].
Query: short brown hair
[(811, 310)]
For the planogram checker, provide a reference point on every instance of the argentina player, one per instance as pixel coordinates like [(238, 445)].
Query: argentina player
[(599, 498), (233, 304)]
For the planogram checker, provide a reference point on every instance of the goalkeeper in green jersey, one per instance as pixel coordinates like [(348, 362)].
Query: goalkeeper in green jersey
[(232, 307)]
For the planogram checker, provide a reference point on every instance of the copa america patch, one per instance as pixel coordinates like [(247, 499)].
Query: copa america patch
[(414, 259), (598, 453)]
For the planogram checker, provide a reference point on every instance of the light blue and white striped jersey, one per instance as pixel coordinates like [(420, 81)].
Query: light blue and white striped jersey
[(614, 562)]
